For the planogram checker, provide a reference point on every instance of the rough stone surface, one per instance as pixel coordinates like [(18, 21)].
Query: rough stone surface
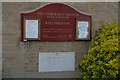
[(0, 40), (20, 59)]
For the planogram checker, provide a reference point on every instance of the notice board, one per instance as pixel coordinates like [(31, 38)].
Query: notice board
[(55, 22)]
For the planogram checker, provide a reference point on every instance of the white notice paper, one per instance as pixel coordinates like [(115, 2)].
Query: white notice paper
[(31, 28), (83, 29)]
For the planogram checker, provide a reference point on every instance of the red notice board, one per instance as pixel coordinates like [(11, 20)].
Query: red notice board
[(55, 22)]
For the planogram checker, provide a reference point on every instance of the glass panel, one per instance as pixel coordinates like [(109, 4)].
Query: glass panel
[(31, 28), (82, 29)]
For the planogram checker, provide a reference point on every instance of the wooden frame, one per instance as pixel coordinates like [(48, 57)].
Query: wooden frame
[(79, 22), (25, 22)]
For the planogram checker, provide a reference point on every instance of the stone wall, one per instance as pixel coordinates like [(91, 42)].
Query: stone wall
[(20, 59), (119, 24), (0, 40)]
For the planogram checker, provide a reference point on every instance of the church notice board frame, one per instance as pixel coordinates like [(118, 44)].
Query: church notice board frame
[(28, 33), (83, 29), (55, 22)]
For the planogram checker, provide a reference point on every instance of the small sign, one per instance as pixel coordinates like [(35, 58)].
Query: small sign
[(56, 61), (31, 28)]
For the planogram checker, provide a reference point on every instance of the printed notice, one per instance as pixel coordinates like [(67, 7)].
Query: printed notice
[(31, 28), (82, 29)]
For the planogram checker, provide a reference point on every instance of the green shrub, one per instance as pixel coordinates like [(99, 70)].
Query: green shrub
[(102, 60)]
